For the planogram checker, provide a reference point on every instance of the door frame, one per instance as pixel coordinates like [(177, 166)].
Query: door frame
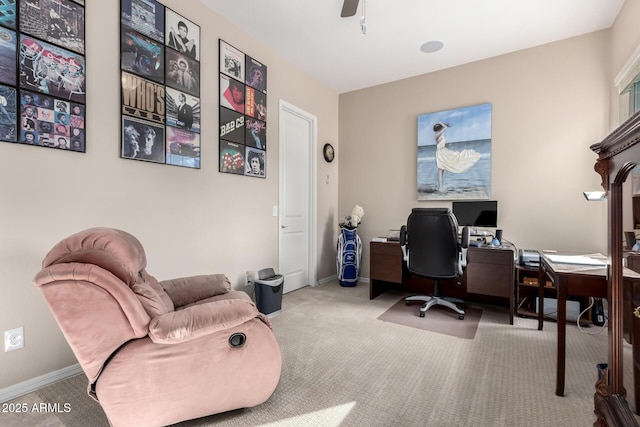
[(285, 107)]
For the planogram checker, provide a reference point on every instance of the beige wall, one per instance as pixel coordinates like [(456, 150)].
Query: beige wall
[(625, 39), (190, 221), (550, 103)]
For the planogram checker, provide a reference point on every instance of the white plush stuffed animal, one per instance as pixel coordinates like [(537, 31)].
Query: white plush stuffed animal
[(356, 215)]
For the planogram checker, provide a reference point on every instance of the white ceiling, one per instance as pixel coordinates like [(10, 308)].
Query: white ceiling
[(312, 35)]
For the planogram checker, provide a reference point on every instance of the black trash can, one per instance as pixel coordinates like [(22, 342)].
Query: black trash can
[(268, 289)]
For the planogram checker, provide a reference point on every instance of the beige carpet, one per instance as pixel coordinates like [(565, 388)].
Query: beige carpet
[(343, 367), (438, 319)]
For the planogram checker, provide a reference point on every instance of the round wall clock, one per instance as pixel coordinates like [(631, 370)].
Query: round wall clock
[(328, 152)]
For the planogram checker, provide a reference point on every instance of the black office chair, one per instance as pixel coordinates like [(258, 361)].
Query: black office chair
[(432, 249)]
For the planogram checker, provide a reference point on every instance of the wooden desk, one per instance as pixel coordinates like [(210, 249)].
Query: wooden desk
[(490, 272), (574, 280)]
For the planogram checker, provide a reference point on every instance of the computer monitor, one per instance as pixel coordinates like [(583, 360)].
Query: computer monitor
[(476, 213)]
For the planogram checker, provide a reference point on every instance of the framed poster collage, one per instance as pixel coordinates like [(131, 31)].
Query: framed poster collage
[(243, 113), (42, 73), (160, 85)]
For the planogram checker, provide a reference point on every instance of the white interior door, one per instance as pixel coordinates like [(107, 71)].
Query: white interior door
[(297, 238)]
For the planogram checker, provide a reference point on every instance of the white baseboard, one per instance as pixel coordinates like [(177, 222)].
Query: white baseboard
[(34, 384), (327, 279), (335, 277)]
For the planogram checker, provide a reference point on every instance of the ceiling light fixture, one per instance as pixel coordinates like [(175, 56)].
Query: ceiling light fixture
[(363, 22), (432, 46)]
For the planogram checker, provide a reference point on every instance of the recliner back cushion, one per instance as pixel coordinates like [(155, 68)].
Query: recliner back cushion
[(114, 250), (152, 296)]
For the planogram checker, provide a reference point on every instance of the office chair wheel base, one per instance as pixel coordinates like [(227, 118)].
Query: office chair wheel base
[(422, 314), (461, 316)]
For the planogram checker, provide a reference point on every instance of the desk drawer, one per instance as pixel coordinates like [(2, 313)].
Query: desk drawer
[(490, 271), (490, 256), (490, 279), (385, 262)]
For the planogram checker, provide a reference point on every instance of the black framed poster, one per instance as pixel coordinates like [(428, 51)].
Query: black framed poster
[(8, 44), (182, 72), (60, 22), (231, 61), (142, 140), (183, 147), (242, 113), (231, 157), (51, 70), (142, 55), (182, 35), (8, 15), (8, 114), (43, 73), (256, 74), (183, 110), (160, 84), (143, 16)]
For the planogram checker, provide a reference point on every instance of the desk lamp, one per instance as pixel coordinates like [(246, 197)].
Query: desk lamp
[(595, 196)]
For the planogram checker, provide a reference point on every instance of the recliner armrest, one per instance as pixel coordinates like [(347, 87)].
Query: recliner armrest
[(187, 290), (199, 320)]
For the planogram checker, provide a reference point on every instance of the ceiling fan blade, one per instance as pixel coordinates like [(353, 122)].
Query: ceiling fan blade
[(349, 8)]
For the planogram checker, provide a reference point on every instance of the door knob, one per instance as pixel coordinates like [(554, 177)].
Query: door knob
[(283, 226)]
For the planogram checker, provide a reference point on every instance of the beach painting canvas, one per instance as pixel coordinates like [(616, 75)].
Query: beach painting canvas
[(454, 154)]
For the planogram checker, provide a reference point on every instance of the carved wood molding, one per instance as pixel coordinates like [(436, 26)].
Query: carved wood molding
[(610, 406), (613, 411), (623, 137), (602, 168), (610, 411)]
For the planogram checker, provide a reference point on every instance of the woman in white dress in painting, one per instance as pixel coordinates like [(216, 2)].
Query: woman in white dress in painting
[(449, 160)]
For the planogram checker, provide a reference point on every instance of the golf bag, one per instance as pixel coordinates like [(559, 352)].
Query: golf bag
[(349, 255)]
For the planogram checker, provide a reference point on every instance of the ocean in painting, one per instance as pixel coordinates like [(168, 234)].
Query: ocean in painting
[(475, 183)]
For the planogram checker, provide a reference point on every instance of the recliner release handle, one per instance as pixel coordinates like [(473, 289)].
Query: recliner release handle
[(237, 339)]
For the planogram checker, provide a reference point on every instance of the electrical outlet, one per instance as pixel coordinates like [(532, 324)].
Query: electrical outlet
[(13, 339), (248, 278)]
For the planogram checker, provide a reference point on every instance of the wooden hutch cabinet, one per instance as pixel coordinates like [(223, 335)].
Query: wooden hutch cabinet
[(617, 154)]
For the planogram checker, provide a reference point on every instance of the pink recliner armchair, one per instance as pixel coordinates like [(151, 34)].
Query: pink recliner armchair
[(156, 353)]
